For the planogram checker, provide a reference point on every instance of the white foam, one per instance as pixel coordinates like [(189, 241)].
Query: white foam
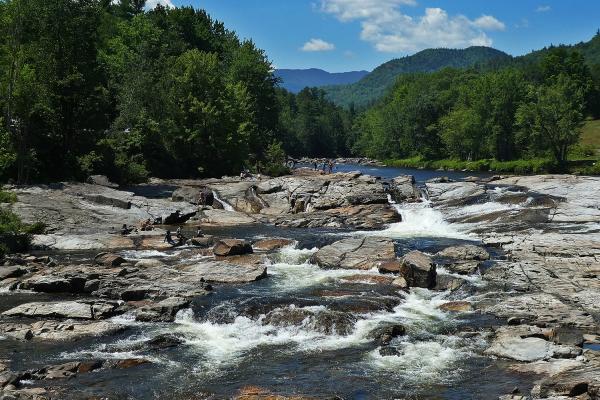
[(421, 220), (424, 361)]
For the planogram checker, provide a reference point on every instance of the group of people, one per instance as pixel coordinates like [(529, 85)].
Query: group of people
[(181, 239), (327, 166), (145, 225)]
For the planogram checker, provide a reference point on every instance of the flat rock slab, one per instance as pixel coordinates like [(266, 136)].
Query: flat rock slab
[(225, 218), (528, 344), (224, 272), (55, 330), (64, 309), (355, 253)]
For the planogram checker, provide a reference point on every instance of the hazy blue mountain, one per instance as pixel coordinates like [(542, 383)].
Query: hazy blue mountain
[(295, 80), (374, 85)]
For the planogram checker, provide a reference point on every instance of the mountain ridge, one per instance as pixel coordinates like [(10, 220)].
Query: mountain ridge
[(294, 80)]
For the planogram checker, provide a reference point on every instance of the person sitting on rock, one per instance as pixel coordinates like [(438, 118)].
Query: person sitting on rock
[(125, 230), (199, 233), (169, 239)]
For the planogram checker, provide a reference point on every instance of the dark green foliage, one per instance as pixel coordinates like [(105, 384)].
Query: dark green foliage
[(505, 114), (373, 86), (311, 125), (91, 86), (275, 161), (7, 197)]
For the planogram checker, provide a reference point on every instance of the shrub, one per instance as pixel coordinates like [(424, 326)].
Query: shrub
[(7, 197)]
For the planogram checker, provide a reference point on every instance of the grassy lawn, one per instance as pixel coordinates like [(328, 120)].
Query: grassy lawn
[(591, 134)]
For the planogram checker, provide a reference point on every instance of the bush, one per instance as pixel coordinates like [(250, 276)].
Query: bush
[(7, 197), (531, 166), (274, 163)]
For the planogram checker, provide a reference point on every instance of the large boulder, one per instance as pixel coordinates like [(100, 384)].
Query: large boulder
[(101, 180), (109, 259), (355, 253), (403, 188), (11, 272), (419, 270), (464, 253), (163, 311), (232, 247)]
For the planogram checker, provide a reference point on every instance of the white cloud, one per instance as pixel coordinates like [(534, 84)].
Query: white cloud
[(390, 30), (543, 8), (317, 45), (487, 22), (151, 4)]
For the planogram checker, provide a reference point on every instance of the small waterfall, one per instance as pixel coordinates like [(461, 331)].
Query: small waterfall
[(226, 206), (420, 220)]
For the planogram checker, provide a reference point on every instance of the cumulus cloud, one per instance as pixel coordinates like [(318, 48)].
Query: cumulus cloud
[(543, 8), (390, 30), (151, 4), (317, 45)]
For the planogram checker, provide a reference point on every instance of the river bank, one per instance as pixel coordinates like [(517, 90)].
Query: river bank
[(308, 286)]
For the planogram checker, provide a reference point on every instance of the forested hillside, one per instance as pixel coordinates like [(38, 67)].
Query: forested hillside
[(510, 113), (373, 86), (295, 80), (96, 87)]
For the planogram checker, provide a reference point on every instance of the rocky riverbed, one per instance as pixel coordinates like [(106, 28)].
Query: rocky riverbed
[(307, 286)]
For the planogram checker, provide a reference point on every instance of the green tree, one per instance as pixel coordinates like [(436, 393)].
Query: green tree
[(552, 117)]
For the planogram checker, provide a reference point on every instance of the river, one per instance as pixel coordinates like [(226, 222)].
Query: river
[(302, 331)]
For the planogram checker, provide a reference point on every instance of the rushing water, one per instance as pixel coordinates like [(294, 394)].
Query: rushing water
[(304, 330)]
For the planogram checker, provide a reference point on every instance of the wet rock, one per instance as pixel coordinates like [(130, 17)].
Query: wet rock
[(385, 335), (161, 342), (109, 259), (324, 321), (127, 363), (231, 247), (355, 253), (61, 371), (65, 309), (163, 311), (457, 306), (419, 270), (269, 245)]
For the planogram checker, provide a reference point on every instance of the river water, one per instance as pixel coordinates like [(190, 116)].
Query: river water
[(302, 331)]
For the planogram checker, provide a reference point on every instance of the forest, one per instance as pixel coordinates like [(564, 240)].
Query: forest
[(104, 87)]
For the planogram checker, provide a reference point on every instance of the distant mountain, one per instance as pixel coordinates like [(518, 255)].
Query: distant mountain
[(374, 85), (295, 80)]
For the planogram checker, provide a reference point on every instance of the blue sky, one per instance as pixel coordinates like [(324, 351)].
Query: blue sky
[(345, 35)]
